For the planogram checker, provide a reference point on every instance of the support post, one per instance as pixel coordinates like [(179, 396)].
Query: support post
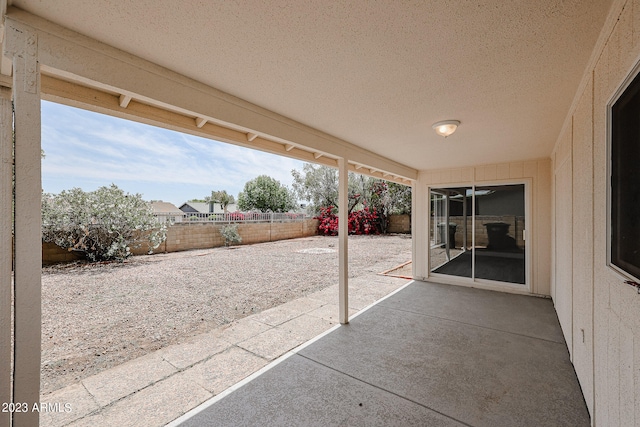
[(420, 226), (22, 46), (6, 248), (343, 238)]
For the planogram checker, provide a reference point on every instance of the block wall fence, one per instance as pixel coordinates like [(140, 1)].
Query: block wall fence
[(399, 224), (186, 236)]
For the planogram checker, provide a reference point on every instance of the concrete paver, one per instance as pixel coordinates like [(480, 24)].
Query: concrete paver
[(303, 305), (272, 343), (306, 326), (287, 311), (328, 295), (92, 420), (80, 400), (329, 312), (118, 382), (241, 330), (157, 404), (225, 369), (194, 351)]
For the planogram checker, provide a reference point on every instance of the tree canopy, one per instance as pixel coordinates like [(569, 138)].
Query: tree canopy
[(319, 186), (266, 194), (316, 184), (222, 197)]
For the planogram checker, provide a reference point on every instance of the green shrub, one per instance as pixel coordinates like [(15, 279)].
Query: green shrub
[(104, 224), (230, 234)]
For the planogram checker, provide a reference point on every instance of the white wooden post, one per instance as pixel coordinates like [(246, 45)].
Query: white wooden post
[(6, 247), (343, 238), (22, 46), (419, 230)]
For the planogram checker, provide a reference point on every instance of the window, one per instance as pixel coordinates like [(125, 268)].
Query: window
[(625, 180)]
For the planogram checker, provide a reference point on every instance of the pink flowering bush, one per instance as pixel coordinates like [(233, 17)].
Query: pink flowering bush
[(363, 221)]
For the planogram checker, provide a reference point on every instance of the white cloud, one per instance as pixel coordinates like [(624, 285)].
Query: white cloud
[(82, 146)]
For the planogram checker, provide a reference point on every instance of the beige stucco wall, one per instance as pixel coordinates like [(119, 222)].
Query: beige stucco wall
[(562, 266), (536, 175), (599, 314)]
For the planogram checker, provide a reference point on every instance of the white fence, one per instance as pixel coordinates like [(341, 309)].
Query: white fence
[(198, 217)]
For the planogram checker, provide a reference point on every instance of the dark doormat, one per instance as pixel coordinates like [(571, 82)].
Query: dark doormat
[(498, 266)]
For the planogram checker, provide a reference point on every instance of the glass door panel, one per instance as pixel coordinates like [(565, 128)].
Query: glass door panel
[(499, 251), (451, 231)]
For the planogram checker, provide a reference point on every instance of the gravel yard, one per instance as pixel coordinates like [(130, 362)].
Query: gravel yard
[(96, 316)]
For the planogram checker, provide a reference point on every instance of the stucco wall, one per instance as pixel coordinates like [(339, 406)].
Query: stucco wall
[(599, 314), (536, 174)]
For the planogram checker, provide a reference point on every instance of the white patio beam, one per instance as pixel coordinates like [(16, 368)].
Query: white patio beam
[(343, 239), (6, 247), (22, 45)]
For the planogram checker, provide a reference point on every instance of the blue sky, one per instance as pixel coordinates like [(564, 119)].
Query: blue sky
[(89, 150)]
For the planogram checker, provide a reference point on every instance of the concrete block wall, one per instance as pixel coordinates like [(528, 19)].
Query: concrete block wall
[(52, 253), (186, 236), (399, 224), (598, 312)]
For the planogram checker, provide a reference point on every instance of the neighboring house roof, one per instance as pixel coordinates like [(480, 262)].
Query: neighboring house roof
[(195, 207), (164, 207)]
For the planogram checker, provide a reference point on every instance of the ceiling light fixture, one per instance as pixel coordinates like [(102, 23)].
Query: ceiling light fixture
[(446, 127)]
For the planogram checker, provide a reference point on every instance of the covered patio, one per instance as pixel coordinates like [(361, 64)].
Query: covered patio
[(360, 86), (429, 354)]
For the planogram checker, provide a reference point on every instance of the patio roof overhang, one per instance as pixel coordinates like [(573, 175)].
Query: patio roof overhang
[(376, 76), (97, 77)]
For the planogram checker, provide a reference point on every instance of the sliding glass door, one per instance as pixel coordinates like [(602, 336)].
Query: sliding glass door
[(479, 232)]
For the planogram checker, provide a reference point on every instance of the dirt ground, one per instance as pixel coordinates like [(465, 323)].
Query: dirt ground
[(96, 316)]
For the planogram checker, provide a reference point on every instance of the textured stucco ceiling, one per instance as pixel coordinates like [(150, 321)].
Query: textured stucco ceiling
[(376, 74)]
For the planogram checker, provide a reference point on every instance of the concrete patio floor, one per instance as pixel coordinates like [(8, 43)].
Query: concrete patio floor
[(157, 388), (428, 355)]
